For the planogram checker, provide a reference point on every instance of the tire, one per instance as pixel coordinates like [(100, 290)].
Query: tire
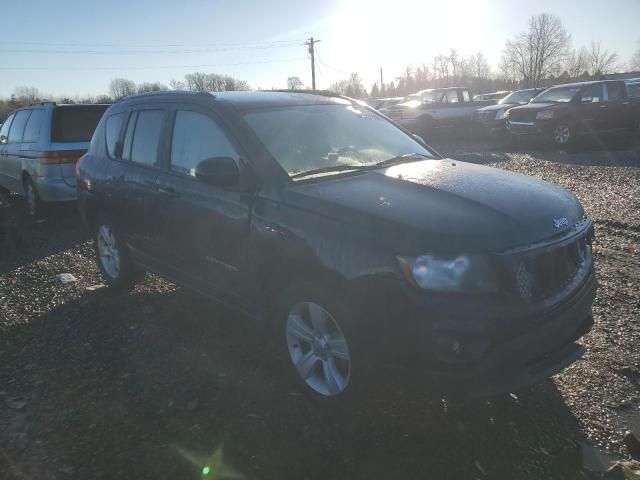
[(315, 331), (563, 135), (36, 208), (112, 255)]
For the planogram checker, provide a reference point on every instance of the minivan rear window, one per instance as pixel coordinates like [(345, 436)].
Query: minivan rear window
[(74, 123)]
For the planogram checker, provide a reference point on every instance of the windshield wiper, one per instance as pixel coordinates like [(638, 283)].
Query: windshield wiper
[(407, 157), (332, 168)]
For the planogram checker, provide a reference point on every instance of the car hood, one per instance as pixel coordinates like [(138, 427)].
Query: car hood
[(495, 108), (443, 206), (535, 107)]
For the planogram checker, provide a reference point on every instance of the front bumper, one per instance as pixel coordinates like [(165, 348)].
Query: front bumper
[(506, 347), (535, 129)]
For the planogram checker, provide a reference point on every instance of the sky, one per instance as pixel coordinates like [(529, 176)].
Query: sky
[(75, 47)]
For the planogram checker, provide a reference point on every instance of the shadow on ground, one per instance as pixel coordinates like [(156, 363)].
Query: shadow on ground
[(168, 386)]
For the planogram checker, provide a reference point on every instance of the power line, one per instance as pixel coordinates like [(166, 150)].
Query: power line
[(153, 67), (329, 66), (142, 52), (130, 45)]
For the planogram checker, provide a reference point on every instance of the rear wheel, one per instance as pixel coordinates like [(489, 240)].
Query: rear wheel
[(35, 206), (112, 255)]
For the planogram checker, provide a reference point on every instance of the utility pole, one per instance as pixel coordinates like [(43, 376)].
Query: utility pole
[(311, 43)]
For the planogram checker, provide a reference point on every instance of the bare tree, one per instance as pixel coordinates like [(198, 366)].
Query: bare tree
[(454, 59), (27, 94), (121, 87), (443, 67), (294, 83), (577, 63), (600, 59), (196, 81), (151, 87), (538, 52), (478, 65), (177, 85)]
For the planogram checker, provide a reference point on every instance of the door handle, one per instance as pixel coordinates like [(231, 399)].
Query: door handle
[(168, 191)]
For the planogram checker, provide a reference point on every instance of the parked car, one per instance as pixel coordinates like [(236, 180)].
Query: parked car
[(39, 146), (491, 118), (565, 112), (433, 109), (494, 96), (358, 247)]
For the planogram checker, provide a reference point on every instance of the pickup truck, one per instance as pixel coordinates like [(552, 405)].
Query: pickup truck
[(428, 110), (563, 113)]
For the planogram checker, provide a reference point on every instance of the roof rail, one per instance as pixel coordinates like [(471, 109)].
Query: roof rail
[(42, 103)]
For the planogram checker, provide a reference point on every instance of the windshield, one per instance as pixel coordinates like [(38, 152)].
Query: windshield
[(557, 95), (312, 137), (522, 96), (434, 96)]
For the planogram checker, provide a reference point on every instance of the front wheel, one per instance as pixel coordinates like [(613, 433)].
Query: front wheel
[(112, 255), (319, 344), (563, 134)]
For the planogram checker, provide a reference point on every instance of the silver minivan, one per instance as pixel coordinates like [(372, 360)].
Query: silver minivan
[(39, 146)]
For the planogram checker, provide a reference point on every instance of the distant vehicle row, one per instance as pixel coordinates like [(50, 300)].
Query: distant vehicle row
[(561, 114)]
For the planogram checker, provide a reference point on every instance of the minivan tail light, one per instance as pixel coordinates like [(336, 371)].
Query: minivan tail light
[(62, 156)]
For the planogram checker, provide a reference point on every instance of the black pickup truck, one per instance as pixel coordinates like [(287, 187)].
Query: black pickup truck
[(564, 113), (428, 110)]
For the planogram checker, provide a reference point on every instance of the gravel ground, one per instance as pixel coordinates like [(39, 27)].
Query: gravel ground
[(159, 383)]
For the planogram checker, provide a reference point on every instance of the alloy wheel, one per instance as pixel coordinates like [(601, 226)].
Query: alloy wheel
[(318, 349), (561, 134), (108, 251)]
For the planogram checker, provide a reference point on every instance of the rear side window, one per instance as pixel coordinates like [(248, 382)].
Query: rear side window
[(615, 92), (197, 137), (451, 96), (146, 136), (465, 95), (16, 131), (32, 130), (75, 124), (113, 125), (4, 131), (633, 89)]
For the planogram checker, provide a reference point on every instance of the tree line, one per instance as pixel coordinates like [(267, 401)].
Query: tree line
[(122, 87), (540, 56)]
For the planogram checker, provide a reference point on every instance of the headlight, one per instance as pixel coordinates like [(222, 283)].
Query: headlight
[(544, 115), (461, 273), (501, 114)]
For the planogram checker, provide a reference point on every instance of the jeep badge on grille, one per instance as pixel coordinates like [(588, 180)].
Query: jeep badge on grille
[(560, 222)]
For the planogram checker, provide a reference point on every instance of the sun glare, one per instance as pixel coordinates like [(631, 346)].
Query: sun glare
[(406, 32)]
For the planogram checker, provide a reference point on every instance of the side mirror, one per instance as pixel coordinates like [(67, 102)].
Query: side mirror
[(218, 171), (419, 138), (586, 100), (3, 139)]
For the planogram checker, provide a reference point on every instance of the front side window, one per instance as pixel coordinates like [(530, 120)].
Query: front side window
[(112, 127), (518, 97), (146, 136), (593, 94), (310, 137), (197, 137), (4, 131), (451, 96), (32, 130), (634, 89), (16, 131)]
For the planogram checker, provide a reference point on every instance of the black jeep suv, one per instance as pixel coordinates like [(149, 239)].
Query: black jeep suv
[(357, 244)]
